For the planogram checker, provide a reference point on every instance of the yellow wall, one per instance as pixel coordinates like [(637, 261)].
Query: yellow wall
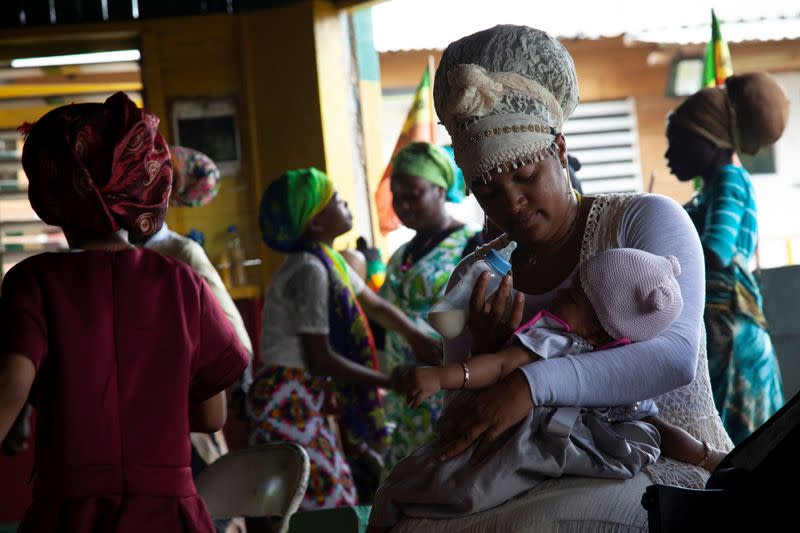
[(334, 95), (292, 74), (283, 67), (192, 57), (370, 92)]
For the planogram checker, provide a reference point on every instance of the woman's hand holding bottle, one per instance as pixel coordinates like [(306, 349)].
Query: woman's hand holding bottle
[(491, 322)]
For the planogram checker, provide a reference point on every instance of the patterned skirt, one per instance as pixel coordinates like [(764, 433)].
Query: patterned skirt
[(742, 364), (285, 404), (744, 372)]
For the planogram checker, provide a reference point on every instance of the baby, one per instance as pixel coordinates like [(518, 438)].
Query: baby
[(601, 442)]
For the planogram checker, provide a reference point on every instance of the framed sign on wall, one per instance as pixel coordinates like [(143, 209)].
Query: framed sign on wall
[(210, 126)]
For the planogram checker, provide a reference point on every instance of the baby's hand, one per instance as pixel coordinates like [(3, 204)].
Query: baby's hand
[(422, 383), (427, 350)]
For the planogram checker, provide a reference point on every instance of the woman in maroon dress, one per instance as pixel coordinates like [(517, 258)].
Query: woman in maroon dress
[(121, 350)]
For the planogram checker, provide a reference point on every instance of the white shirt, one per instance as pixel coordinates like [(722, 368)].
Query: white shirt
[(297, 303), (638, 371)]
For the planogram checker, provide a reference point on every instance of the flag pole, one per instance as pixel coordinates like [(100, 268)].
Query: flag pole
[(431, 73), (418, 126), (652, 181)]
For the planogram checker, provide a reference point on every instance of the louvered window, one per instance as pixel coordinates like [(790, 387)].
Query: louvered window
[(604, 138)]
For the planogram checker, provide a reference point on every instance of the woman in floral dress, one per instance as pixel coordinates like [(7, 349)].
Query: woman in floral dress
[(424, 178)]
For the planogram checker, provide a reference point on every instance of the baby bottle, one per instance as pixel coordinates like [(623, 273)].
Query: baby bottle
[(449, 315)]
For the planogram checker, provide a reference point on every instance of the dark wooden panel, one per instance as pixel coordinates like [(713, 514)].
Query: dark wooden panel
[(70, 11), (160, 8), (217, 6), (10, 11), (37, 12), (120, 10)]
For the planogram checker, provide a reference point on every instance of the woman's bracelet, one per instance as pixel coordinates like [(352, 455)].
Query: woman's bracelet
[(706, 454), (466, 375)]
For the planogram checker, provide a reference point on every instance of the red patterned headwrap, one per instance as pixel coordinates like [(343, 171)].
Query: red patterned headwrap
[(99, 167)]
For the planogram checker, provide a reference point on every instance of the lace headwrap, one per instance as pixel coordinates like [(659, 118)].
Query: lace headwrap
[(503, 94), (98, 167)]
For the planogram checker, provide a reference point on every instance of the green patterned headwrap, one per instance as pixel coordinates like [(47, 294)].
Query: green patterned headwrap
[(431, 163), (289, 204)]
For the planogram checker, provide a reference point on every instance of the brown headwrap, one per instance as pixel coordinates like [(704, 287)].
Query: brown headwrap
[(749, 113), (99, 167)]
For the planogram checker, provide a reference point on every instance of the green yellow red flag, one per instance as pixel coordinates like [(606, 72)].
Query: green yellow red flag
[(420, 125), (718, 64), (718, 67)]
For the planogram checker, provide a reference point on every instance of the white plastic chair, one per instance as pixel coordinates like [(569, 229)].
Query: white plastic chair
[(264, 481)]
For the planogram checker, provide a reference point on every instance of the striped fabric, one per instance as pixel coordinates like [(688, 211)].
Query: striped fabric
[(743, 368), (731, 227)]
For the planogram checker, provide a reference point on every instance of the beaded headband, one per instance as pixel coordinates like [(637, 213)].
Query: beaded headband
[(503, 94)]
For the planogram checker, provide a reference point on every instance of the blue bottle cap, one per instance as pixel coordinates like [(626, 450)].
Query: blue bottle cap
[(498, 263), (232, 228)]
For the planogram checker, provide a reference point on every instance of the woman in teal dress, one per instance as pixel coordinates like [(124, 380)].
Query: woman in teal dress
[(703, 133), (424, 177)]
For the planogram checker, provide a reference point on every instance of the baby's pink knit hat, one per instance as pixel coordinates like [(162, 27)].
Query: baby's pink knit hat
[(634, 293)]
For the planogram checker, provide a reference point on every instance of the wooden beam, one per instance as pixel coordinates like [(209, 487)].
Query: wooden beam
[(31, 90), (11, 118), (70, 79)]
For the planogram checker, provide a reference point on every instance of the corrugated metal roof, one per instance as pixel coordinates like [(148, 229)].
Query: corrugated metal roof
[(433, 24), (760, 29)]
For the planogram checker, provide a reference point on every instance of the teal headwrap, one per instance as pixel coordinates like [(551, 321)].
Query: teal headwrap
[(289, 203), (431, 163)]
